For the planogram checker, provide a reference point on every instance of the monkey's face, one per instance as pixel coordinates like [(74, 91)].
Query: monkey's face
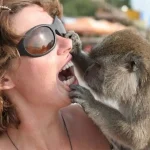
[(121, 68), (117, 76)]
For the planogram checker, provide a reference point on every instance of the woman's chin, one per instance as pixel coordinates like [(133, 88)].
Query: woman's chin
[(63, 91)]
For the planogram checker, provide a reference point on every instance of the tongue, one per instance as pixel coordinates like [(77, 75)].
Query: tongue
[(61, 77), (65, 74)]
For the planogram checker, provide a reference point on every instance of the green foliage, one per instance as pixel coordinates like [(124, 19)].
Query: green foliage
[(119, 3), (79, 7)]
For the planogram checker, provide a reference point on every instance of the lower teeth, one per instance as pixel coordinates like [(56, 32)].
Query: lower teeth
[(69, 77), (69, 80)]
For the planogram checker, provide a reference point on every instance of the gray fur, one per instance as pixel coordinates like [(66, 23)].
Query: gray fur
[(117, 69)]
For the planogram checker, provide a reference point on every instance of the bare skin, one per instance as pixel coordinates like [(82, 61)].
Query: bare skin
[(85, 134)]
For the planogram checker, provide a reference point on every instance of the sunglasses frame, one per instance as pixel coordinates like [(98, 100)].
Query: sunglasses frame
[(54, 27)]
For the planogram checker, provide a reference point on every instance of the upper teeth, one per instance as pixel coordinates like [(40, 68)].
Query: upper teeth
[(68, 65)]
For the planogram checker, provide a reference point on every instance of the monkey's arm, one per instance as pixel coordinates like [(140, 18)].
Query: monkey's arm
[(80, 58), (82, 61), (111, 121)]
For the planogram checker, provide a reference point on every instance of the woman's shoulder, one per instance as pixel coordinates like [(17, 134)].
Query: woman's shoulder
[(83, 132)]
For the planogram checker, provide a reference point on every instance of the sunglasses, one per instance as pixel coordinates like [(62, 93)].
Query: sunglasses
[(41, 39)]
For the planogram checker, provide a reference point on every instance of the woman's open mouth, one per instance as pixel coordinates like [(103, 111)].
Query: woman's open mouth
[(66, 75)]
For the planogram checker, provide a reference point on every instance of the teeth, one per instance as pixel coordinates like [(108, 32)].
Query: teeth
[(68, 65), (69, 81)]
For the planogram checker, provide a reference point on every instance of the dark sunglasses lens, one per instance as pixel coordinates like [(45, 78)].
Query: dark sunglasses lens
[(59, 27), (39, 41)]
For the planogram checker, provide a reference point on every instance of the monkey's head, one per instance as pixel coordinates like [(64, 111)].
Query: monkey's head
[(121, 66)]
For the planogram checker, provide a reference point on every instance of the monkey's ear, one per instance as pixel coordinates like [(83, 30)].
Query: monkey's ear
[(131, 66), (132, 62)]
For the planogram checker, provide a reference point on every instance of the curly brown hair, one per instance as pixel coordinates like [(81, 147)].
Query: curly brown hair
[(8, 50)]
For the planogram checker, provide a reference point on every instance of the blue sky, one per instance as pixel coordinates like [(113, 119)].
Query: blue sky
[(144, 7)]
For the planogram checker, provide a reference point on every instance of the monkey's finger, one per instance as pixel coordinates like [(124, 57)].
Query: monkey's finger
[(69, 34), (78, 88), (75, 94), (75, 100), (75, 87)]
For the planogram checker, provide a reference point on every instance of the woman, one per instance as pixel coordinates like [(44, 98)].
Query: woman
[(35, 77)]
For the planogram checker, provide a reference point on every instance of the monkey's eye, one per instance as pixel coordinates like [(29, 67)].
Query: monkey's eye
[(131, 66), (98, 64)]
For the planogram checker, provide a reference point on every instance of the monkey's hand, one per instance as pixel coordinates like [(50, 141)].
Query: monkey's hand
[(109, 120), (76, 42), (81, 96), (80, 58)]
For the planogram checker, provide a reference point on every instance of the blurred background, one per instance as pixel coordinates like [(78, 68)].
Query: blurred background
[(95, 19)]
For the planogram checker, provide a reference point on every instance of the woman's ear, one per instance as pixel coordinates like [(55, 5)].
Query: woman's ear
[(6, 82)]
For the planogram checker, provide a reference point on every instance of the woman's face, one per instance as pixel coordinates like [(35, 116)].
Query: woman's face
[(37, 79)]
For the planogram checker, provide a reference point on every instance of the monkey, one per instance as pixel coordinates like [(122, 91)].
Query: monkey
[(117, 70)]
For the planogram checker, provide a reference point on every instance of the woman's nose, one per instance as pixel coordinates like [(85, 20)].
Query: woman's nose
[(64, 45)]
